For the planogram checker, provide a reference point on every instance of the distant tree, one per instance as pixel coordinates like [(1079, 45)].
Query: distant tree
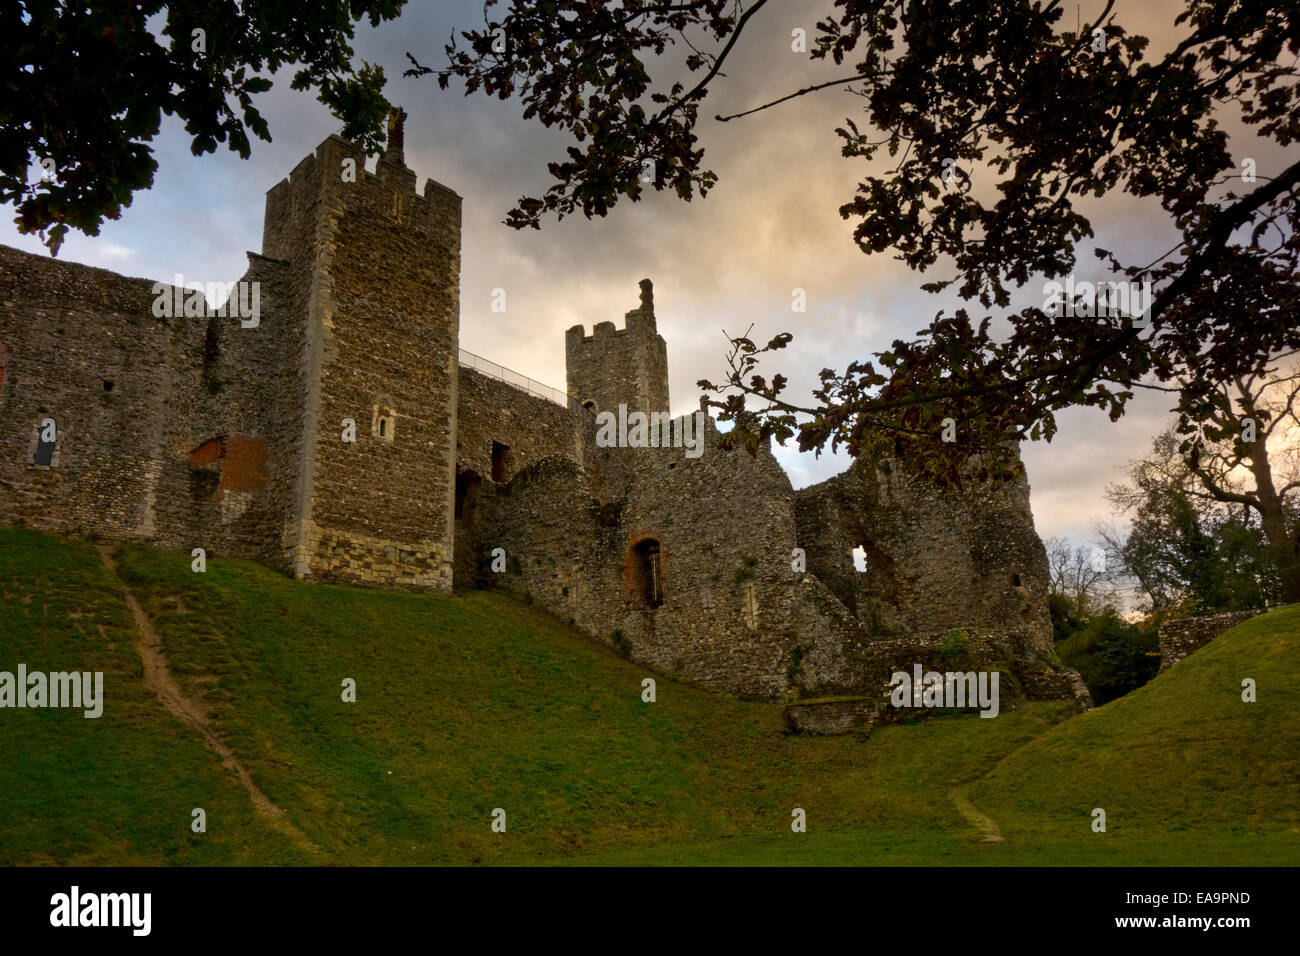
[(1061, 613), (1187, 549), (86, 84), (1081, 576), (1112, 656), (1169, 548), (1002, 92), (1197, 504), (1225, 447)]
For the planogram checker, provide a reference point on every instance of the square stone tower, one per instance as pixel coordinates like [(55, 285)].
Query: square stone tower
[(620, 366), (373, 289)]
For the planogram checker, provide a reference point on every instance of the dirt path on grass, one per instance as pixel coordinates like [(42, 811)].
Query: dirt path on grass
[(981, 821), (191, 710)]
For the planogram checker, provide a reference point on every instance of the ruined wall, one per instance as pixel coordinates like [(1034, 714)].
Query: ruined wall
[(936, 559), (382, 268), (735, 616), (523, 430), (531, 428), (1181, 636), (133, 396), (615, 366), (557, 538), (727, 532)]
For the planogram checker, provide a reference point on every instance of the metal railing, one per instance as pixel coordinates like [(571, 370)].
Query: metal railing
[(522, 382)]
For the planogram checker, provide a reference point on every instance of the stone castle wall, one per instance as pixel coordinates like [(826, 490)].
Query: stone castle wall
[(529, 428), (195, 431), (198, 432), (134, 397), (736, 615), (378, 269), (500, 432), (570, 532), (937, 559), (1181, 636)]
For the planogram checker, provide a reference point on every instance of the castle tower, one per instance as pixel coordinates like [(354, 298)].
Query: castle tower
[(373, 289), (615, 366)]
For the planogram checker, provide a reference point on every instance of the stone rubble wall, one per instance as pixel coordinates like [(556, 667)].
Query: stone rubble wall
[(133, 396), (197, 432), (737, 617), (936, 559), (531, 428), (840, 716), (378, 272), (1181, 636)]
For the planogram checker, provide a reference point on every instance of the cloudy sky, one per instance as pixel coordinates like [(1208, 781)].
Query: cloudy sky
[(732, 259)]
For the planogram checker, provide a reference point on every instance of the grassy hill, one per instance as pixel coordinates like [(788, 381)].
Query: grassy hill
[(476, 702), (1183, 753)]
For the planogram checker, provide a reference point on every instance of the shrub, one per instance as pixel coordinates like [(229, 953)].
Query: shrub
[(1112, 655)]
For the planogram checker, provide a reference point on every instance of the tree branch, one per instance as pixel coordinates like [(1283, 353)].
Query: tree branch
[(807, 89), (699, 89)]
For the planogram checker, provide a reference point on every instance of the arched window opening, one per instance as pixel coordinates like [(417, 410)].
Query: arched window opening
[(467, 486), (384, 426), (645, 574), (500, 461)]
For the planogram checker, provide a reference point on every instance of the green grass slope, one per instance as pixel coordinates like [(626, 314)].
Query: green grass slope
[(467, 704), (1185, 754), (118, 789)]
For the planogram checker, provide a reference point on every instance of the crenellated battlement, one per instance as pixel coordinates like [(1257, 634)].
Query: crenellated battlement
[(601, 332), (332, 181), (614, 366), (334, 149)]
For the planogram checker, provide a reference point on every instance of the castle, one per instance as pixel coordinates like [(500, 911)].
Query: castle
[(343, 436)]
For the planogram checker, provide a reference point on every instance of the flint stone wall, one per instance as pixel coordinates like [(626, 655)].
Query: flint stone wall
[(199, 432), (936, 559), (133, 397), (379, 265), (1181, 636)]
